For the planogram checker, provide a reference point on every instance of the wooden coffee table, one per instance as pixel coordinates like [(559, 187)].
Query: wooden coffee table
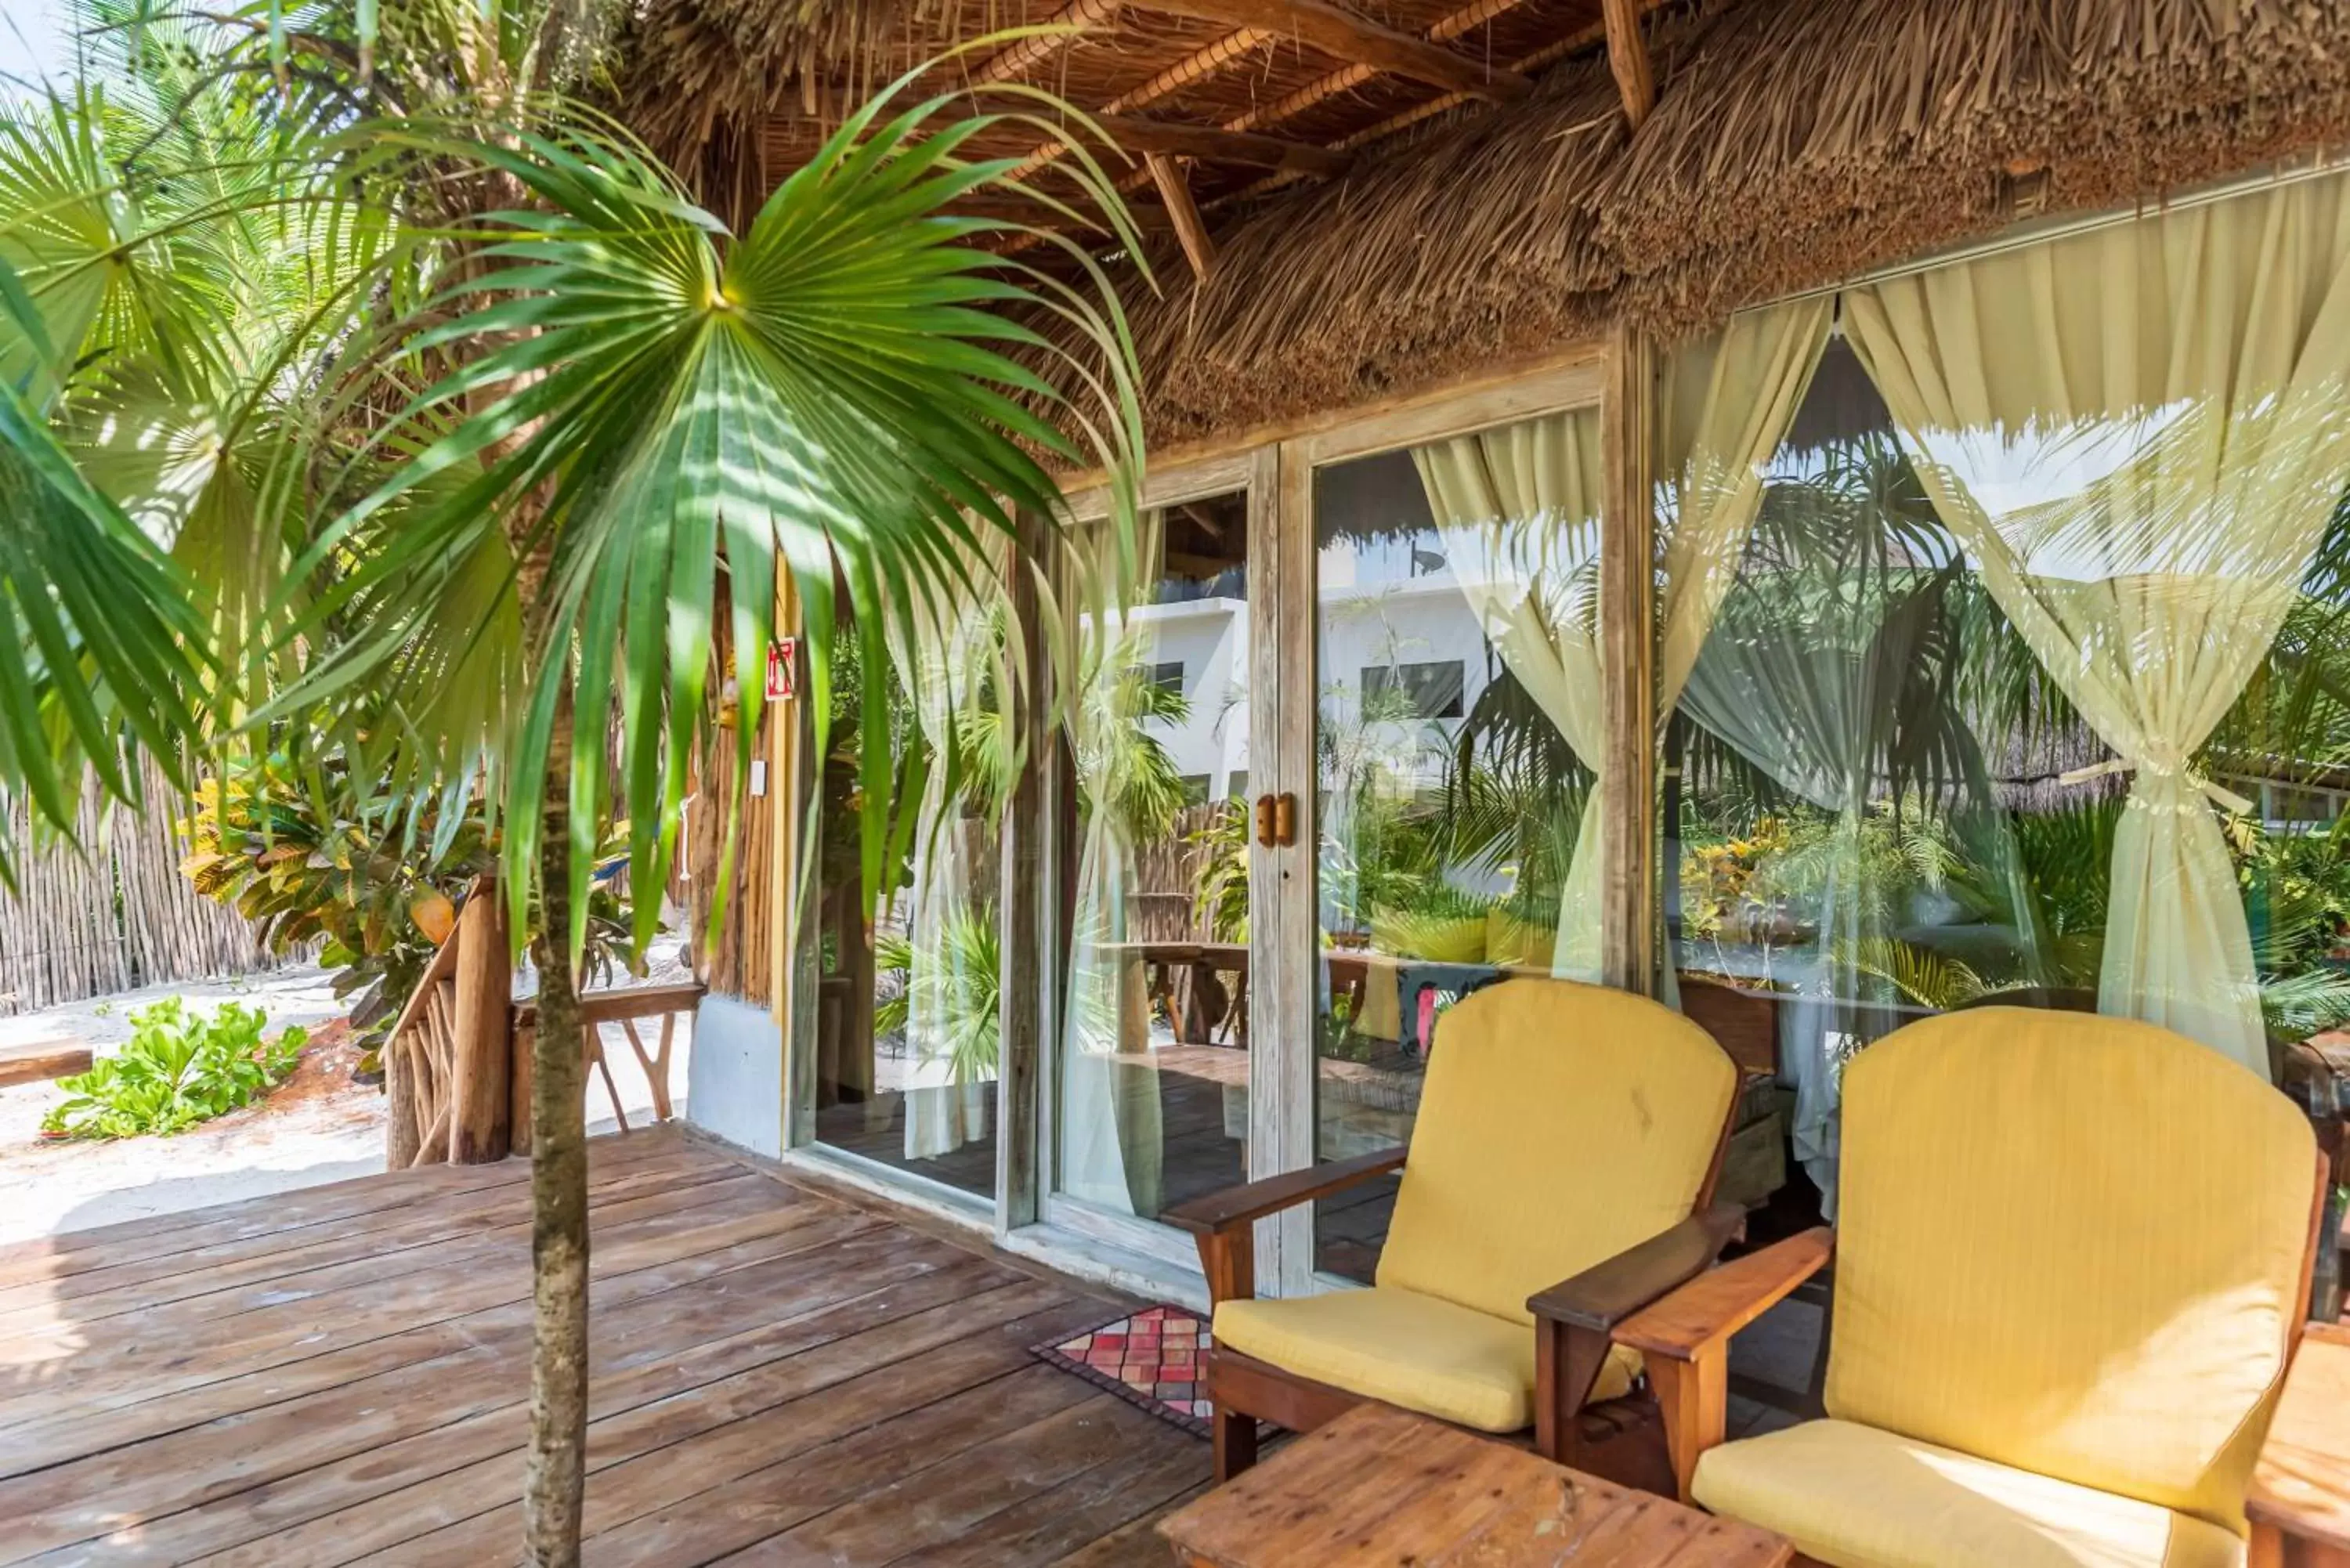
[(1379, 1488)]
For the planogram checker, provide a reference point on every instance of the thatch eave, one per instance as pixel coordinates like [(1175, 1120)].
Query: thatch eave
[(1793, 147)]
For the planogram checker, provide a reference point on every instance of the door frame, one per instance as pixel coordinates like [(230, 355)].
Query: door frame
[(1286, 993), (1253, 473)]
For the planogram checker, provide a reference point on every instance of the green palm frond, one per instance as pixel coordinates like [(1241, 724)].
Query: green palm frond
[(824, 396)]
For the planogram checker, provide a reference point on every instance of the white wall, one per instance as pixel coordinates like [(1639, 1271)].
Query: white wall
[(734, 1083)]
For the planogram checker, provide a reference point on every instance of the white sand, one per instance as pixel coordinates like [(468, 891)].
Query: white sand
[(322, 1128)]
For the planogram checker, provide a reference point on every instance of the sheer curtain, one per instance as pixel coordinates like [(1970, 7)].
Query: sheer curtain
[(953, 664), (1805, 676), (1518, 509), (2139, 434), (1112, 1133)]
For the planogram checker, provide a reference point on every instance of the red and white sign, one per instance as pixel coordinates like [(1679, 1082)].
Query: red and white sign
[(782, 669)]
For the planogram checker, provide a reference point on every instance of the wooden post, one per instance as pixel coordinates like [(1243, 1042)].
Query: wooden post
[(481, 1115), (401, 1134), (1023, 1005), (1627, 549)]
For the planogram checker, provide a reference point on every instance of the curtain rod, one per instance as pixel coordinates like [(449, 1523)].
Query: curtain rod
[(2315, 166)]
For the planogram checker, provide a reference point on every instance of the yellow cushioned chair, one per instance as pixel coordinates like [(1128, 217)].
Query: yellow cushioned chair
[(1559, 1177), (2072, 1262)]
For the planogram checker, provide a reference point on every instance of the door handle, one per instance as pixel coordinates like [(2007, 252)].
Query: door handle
[(1264, 822), (1277, 819)]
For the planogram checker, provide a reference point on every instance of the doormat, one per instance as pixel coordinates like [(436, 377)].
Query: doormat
[(1149, 1358)]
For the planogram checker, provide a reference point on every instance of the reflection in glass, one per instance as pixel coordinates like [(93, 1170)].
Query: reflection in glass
[(1153, 1065), (907, 1017), (2034, 683), (1458, 656)]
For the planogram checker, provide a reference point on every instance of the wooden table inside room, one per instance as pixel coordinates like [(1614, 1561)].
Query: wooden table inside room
[(1380, 1488), (2299, 1501)]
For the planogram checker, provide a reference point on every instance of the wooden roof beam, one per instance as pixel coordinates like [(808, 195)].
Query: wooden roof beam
[(1190, 229), (1216, 146), (1628, 59), (1344, 35)]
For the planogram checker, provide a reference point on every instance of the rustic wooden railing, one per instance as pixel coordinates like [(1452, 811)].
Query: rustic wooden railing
[(457, 1060)]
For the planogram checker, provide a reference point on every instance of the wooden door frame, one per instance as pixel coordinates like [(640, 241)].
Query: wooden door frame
[(1287, 993), (1275, 467), (1251, 472)]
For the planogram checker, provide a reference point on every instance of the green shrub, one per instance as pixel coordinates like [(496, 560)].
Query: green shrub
[(179, 1069)]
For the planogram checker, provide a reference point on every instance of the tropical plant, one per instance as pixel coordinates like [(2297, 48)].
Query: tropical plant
[(954, 980), (312, 855), (486, 400), (177, 1070)]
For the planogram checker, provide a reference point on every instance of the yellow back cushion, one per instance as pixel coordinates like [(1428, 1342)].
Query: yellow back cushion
[(2071, 1244), (1559, 1125)]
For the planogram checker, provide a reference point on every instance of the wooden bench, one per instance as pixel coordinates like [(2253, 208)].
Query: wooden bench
[(41, 1060)]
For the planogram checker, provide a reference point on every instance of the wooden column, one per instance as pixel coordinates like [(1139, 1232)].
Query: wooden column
[(1024, 1006), (791, 780), (1628, 944), (480, 1118)]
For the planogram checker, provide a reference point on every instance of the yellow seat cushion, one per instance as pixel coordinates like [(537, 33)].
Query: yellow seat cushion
[(1426, 1355), (1559, 1125), (1857, 1496), (2071, 1245)]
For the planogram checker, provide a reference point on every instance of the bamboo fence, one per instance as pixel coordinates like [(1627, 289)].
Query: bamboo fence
[(114, 913)]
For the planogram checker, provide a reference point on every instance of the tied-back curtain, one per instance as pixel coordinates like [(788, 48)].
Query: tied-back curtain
[(1724, 405), (1110, 1132), (1518, 509), (950, 659), (2138, 435)]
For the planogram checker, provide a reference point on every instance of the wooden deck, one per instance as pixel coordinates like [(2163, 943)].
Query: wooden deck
[(781, 1376)]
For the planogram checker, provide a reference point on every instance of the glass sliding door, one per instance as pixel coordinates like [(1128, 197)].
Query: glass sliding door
[(1456, 708), (906, 1022), (1151, 1070)]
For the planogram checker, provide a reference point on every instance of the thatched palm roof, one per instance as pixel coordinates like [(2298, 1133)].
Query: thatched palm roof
[(1793, 144)]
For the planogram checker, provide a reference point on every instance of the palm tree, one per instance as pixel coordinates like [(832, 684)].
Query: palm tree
[(465, 408)]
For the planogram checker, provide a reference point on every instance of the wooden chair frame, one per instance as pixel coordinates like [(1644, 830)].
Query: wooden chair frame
[(1684, 1337), (1574, 1320)]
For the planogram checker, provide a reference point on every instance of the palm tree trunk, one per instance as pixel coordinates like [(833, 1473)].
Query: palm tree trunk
[(553, 1485)]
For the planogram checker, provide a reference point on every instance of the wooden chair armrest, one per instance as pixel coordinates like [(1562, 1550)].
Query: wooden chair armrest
[(1237, 1208), (1716, 1304), (1606, 1294), (2301, 1486)]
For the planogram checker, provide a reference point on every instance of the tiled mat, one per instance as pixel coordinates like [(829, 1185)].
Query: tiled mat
[(1150, 1358)]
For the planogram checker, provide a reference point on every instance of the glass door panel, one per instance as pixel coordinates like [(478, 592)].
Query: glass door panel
[(905, 1038), (1457, 687), (1152, 1067)]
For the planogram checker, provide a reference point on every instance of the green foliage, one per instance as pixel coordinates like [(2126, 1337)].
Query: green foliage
[(953, 980), (317, 855), (1219, 892), (313, 853), (179, 1069), (361, 385)]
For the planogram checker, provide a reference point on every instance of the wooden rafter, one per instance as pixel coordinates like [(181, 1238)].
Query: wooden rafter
[(1223, 146), (1347, 37), (1023, 55), (1190, 229), (1455, 24), (1628, 58), (1193, 68)]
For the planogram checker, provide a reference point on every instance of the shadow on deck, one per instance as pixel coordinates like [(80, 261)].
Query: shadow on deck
[(781, 1376)]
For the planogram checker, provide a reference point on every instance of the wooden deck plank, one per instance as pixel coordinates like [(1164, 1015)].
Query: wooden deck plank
[(114, 1363), (163, 1234), (174, 1406), (777, 1374), (480, 1214)]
